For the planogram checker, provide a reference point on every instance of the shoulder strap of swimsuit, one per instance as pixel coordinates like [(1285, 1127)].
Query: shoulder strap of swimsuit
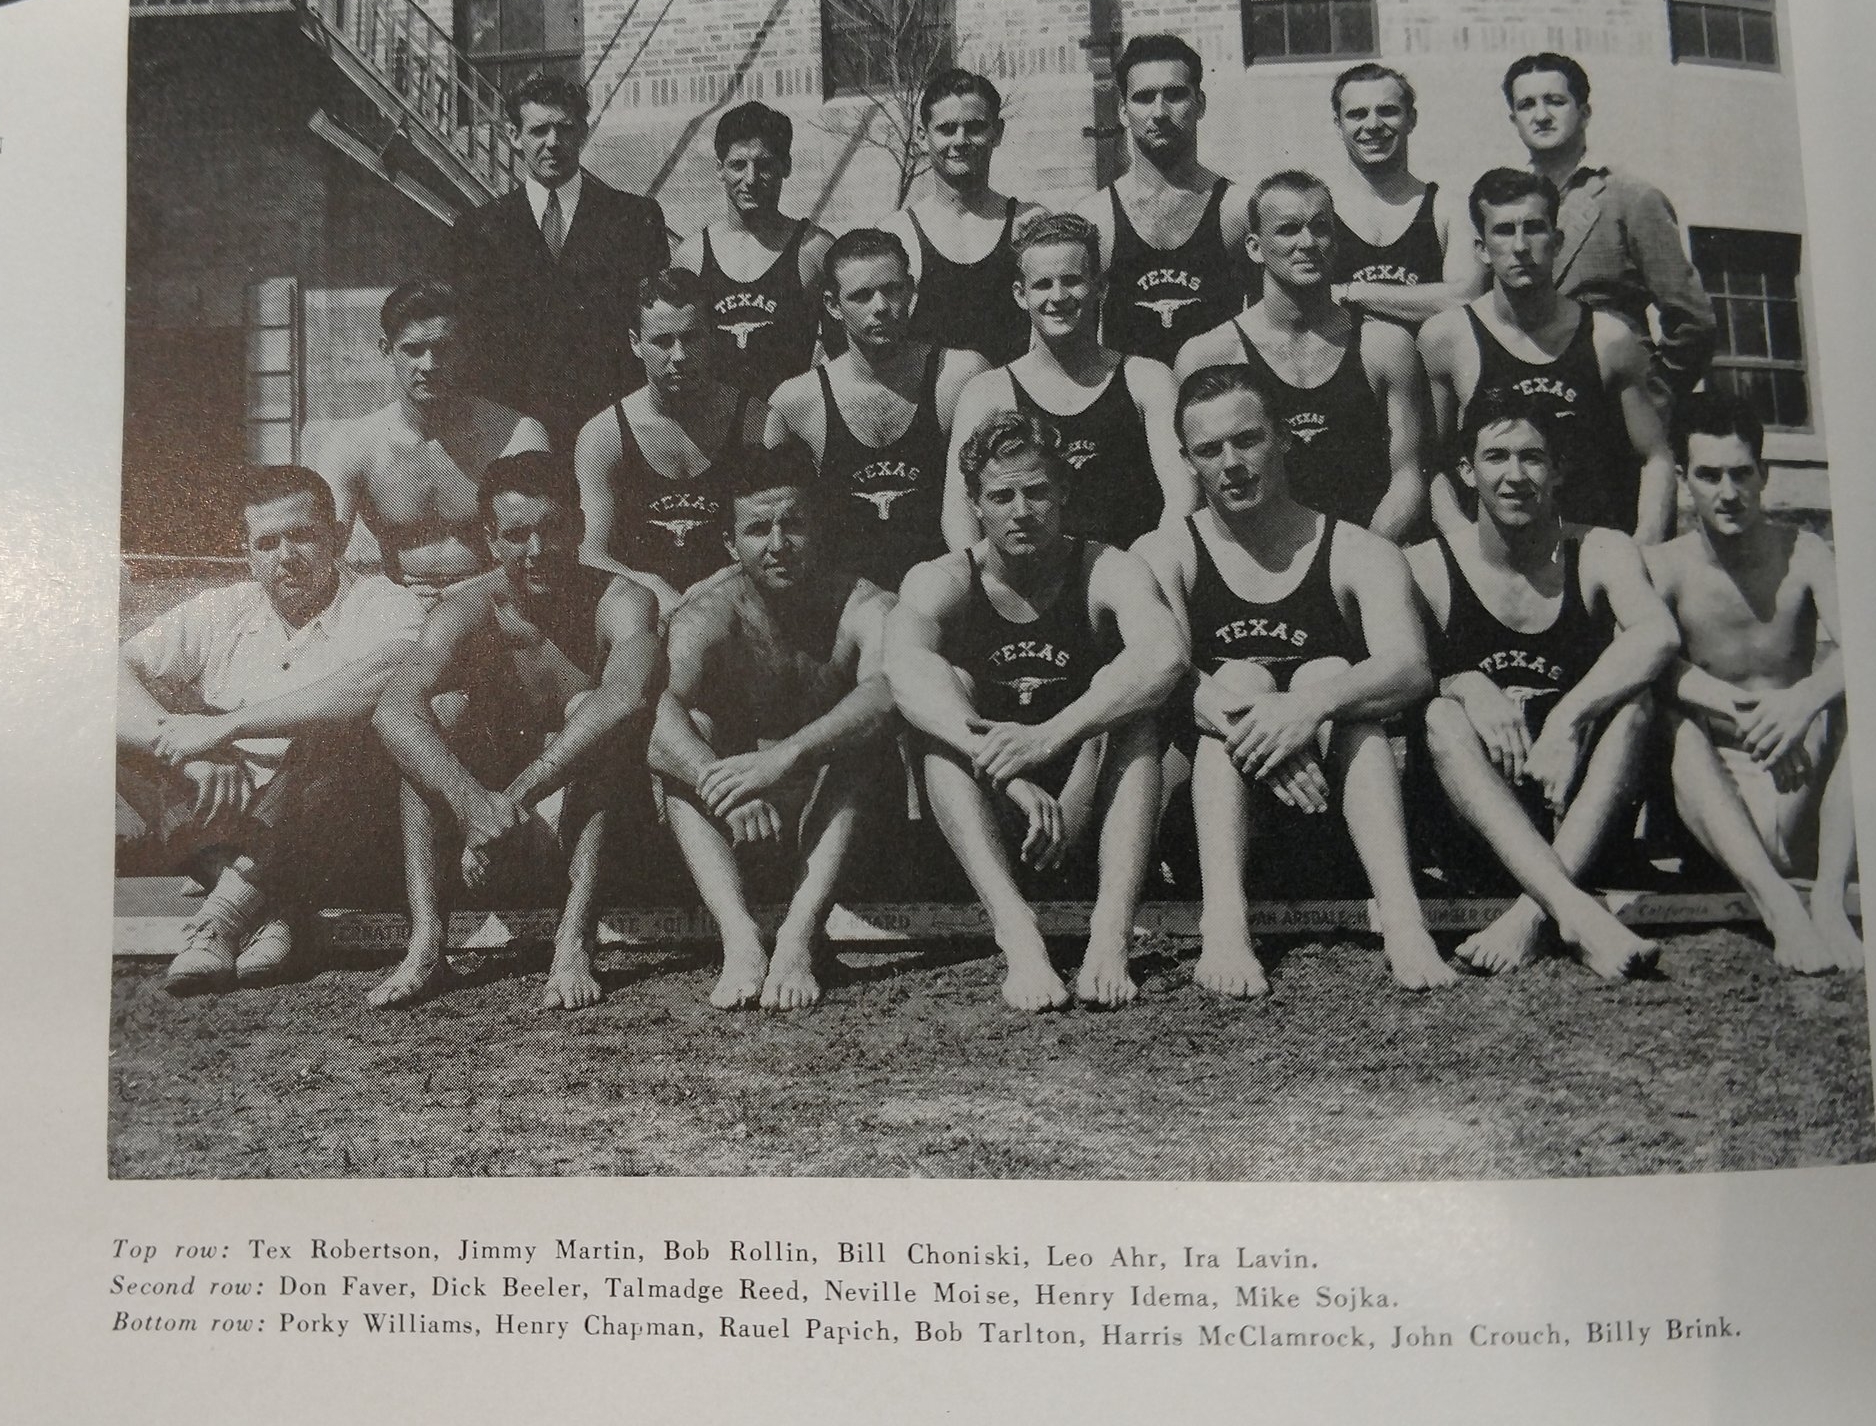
[(1009, 222), (1122, 223), (919, 228), (831, 416)]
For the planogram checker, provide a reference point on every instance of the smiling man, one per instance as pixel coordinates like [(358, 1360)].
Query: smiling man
[(774, 728), (1544, 637), (1756, 715), (549, 271), (241, 736), (408, 471), (1620, 247), (761, 269), (1350, 392), (1113, 412), (1031, 664), (1400, 242), (539, 677)]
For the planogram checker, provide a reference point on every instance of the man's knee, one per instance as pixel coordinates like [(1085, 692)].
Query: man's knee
[(1245, 678), (1319, 671), (1449, 731)]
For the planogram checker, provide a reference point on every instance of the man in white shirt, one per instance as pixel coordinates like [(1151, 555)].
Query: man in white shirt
[(241, 725)]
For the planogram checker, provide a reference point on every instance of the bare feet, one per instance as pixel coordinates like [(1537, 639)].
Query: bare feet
[(1228, 963), (1799, 945), (1510, 942), (1031, 982), (1414, 959), (1606, 946), (790, 984), (1837, 934), (570, 983), (1104, 980), (745, 965), (421, 974)]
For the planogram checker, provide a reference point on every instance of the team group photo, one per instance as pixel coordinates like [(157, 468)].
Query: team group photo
[(903, 588)]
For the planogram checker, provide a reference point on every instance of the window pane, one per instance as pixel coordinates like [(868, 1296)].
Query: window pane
[(1761, 39), (1724, 321), (1787, 342), (1749, 329), (1267, 37), (1688, 33), (1354, 27), (1309, 27), (1745, 277), (1723, 36), (1791, 399), (1781, 278)]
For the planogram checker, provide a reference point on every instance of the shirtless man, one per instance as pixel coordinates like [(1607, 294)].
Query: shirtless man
[(761, 269), (537, 677), (408, 471), (1401, 250), (1544, 639), (877, 418), (1351, 392), (1032, 663), (1755, 714), (1303, 638), (773, 727), (1585, 365), (1113, 412), (648, 465), (1172, 231), (959, 236)]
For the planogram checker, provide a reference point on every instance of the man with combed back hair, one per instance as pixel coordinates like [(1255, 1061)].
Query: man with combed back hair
[(1113, 412), (1031, 664), (774, 729), (539, 677)]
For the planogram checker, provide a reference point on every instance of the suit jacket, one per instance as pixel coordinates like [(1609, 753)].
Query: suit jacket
[(551, 335), (1622, 251)]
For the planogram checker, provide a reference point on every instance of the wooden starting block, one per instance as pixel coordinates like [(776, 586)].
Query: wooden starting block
[(888, 925)]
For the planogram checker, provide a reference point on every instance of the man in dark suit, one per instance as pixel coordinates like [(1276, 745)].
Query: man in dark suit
[(548, 272)]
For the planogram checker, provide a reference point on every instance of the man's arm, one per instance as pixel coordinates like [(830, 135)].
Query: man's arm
[(1646, 640), (1626, 370), (1772, 723), (689, 254), (1438, 345), (924, 685), (139, 716), (528, 435), (1218, 347), (1682, 307), (1155, 396), (1154, 652), (1098, 208), (678, 751), (987, 394), (405, 720), (1462, 275), (790, 414), (1400, 381), (596, 455), (864, 711), (340, 463)]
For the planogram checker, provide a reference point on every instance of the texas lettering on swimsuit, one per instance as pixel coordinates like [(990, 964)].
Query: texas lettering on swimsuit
[(882, 500), (733, 317), (1166, 307)]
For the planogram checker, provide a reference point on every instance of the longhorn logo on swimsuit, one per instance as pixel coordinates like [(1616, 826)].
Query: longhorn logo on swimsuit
[(1166, 308), (742, 331), (1028, 686), (1243, 631), (1386, 272), (882, 500), (679, 530), (1079, 453), (1307, 425), (1548, 386)]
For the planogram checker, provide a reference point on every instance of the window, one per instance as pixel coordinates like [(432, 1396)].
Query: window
[(1753, 281), (1742, 32), (872, 45), (1308, 29), (508, 40)]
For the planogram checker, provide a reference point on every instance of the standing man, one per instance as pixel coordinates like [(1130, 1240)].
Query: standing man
[(773, 728), (1756, 716), (1620, 247), (408, 471), (241, 744), (1586, 367), (1351, 392), (539, 677), (548, 271), (1545, 639), (1114, 413), (761, 270), (877, 418), (651, 488), (1304, 638), (1032, 663), (1401, 249), (959, 237), (1172, 231)]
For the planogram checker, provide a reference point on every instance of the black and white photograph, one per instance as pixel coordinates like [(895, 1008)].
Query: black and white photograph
[(1242, 590)]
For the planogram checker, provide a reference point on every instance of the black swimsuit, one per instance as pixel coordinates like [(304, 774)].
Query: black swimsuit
[(1282, 634), (1411, 259), (1158, 299), (671, 526), (970, 305), (885, 503), (765, 327), (1114, 496)]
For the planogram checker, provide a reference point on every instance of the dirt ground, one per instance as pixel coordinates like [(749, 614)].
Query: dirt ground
[(912, 1067)]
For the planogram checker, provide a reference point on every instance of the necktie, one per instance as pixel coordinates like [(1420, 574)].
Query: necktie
[(553, 227)]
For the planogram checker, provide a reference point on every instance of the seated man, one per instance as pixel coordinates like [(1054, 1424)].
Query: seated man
[(1749, 698), (408, 471), (208, 697), (555, 671), (1304, 638), (772, 728), (1033, 662), (1545, 639)]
